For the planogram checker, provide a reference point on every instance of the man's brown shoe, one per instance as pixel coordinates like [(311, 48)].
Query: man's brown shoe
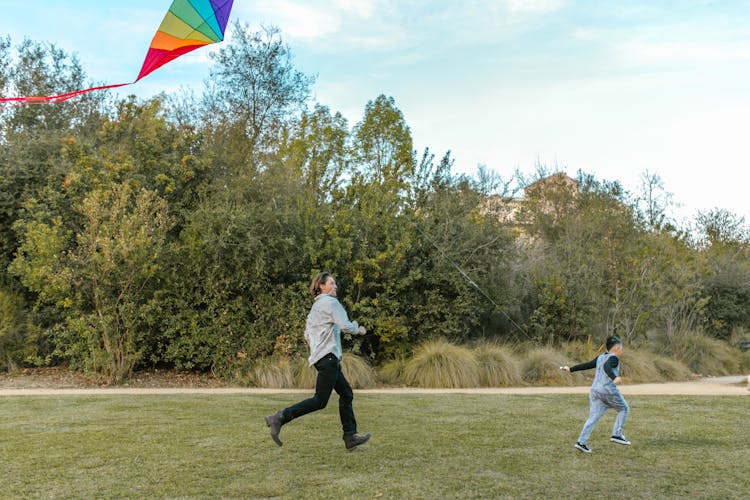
[(275, 422), (353, 441)]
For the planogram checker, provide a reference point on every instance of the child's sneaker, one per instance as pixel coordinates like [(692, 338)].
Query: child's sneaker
[(619, 440), (582, 447)]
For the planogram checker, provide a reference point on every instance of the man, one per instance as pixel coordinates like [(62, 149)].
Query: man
[(604, 394), (325, 322)]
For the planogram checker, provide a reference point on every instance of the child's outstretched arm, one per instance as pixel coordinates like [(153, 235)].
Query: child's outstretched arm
[(582, 366)]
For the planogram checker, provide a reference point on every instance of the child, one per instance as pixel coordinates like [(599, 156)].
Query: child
[(604, 393)]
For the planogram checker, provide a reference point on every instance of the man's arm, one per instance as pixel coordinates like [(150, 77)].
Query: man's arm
[(341, 319)]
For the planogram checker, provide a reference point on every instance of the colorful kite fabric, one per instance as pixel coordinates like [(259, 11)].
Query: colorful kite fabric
[(188, 25)]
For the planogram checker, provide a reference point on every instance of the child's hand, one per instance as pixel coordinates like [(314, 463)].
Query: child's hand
[(617, 381), (566, 368)]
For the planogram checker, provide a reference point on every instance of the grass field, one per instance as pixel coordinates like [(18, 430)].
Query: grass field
[(424, 446)]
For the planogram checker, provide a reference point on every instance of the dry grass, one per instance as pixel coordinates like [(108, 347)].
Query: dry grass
[(709, 357), (541, 366), (274, 373), (497, 366), (438, 363), (637, 366), (304, 374), (358, 371), (392, 372), (671, 370)]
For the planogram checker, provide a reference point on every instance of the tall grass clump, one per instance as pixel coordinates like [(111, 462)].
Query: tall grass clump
[(738, 336), (672, 370), (440, 364), (497, 366), (707, 356), (356, 369), (392, 372), (304, 374), (273, 373), (637, 366), (582, 351), (541, 366), (358, 372)]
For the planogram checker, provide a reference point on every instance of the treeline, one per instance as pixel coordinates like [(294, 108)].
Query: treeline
[(181, 231)]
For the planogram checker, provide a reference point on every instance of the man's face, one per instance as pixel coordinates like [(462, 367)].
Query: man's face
[(329, 287)]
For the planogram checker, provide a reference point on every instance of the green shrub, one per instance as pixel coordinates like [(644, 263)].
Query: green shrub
[(18, 336), (497, 366), (440, 364)]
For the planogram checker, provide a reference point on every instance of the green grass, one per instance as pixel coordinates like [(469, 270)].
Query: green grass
[(424, 446)]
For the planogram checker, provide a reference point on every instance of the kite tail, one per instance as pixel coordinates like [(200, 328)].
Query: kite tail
[(58, 97)]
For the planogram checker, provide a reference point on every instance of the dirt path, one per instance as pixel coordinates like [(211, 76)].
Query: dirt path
[(720, 386)]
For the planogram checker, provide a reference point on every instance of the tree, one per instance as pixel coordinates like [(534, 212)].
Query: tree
[(31, 137), (723, 240), (653, 202), (254, 89), (102, 278), (4, 63)]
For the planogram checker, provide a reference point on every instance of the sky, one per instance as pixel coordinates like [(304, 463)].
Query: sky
[(613, 88)]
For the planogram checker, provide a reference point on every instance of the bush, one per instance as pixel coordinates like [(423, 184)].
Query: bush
[(637, 367), (18, 336), (672, 370), (497, 366), (440, 364), (541, 366), (707, 356)]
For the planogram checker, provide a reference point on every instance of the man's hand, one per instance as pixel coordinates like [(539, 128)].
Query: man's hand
[(361, 330)]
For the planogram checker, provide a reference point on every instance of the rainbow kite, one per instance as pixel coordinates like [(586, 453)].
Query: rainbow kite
[(188, 25)]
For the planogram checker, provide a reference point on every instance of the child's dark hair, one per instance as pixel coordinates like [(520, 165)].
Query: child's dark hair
[(612, 341)]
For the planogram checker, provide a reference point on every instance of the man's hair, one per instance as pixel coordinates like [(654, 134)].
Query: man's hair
[(612, 341), (318, 279)]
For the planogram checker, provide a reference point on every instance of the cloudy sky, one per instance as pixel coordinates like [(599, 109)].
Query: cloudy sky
[(613, 88)]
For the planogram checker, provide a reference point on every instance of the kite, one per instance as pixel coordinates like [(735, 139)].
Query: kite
[(188, 25)]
